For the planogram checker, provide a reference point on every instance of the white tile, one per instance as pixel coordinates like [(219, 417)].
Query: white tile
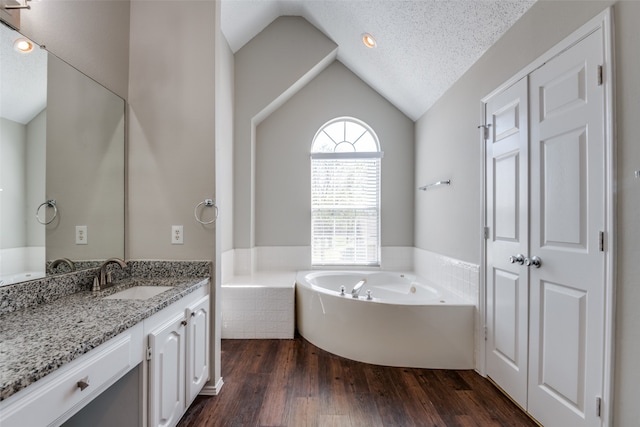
[(227, 269)]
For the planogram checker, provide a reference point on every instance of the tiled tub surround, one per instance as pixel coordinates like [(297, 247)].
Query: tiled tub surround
[(47, 323), (458, 277), (260, 305)]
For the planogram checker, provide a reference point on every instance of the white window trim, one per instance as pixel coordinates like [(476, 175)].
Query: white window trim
[(363, 155), (337, 156)]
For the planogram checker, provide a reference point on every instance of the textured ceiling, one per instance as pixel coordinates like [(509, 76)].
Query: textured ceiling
[(23, 79), (423, 46)]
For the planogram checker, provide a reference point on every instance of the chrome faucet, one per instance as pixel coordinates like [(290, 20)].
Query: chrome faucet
[(104, 278), (355, 292), (56, 263)]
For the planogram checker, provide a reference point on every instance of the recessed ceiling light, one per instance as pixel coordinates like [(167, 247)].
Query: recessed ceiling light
[(368, 40), (23, 45)]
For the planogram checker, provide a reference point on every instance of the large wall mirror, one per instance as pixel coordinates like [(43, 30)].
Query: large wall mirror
[(61, 166)]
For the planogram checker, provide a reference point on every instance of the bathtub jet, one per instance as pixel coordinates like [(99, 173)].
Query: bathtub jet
[(404, 321)]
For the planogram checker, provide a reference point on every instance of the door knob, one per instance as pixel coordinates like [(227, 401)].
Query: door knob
[(517, 258), (534, 260)]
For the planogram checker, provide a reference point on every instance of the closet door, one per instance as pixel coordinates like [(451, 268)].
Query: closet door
[(567, 215), (507, 246)]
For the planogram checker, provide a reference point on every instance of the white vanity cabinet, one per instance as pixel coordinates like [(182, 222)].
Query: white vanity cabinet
[(56, 397), (171, 348), (178, 360)]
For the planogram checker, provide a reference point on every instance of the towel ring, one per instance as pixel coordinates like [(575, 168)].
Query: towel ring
[(49, 203), (208, 203)]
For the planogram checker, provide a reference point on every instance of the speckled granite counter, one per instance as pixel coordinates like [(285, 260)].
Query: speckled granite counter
[(37, 340)]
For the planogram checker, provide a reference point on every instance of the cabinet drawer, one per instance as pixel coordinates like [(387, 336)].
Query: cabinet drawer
[(59, 395)]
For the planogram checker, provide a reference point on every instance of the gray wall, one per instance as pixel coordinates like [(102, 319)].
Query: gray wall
[(93, 36), (22, 164), (172, 134), (448, 146), (13, 138), (283, 168), (288, 52), (84, 165), (36, 156), (171, 127), (627, 388)]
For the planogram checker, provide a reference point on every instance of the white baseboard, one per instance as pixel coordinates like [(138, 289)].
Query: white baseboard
[(212, 390)]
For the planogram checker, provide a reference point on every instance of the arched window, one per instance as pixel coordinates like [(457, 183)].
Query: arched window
[(345, 194)]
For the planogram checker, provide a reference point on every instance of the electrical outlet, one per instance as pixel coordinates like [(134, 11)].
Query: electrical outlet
[(177, 235), (81, 235)]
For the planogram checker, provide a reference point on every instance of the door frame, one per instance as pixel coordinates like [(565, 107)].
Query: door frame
[(604, 21)]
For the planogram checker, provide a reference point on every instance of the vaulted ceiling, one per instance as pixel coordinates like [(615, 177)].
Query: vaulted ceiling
[(423, 46)]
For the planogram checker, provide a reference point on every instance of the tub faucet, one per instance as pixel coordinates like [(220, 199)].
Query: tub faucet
[(105, 278), (355, 292)]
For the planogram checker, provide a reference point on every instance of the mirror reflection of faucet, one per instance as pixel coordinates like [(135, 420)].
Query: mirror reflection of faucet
[(104, 278), (66, 261)]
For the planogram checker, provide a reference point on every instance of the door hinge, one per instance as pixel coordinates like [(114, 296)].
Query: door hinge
[(486, 333), (598, 406), (485, 233), (485, 131), (601, 242), (600, 75), (149, 353)]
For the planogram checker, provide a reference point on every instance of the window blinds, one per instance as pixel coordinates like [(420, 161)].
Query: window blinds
[(345, 211)]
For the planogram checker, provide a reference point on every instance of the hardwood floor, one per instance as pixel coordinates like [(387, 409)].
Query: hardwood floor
[(293, 383)]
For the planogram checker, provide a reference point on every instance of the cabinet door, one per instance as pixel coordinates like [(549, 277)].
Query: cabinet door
[(197, 354), (166, 373)]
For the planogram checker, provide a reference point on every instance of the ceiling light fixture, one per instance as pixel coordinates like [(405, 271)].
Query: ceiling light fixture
[(23, 45), (369, 41)]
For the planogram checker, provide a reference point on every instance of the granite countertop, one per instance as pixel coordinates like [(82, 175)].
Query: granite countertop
[(37, 340)]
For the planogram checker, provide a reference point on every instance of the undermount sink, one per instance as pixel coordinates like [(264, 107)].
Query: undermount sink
[(139, 292)]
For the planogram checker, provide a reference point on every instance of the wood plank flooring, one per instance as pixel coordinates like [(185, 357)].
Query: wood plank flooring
[(294, 383)]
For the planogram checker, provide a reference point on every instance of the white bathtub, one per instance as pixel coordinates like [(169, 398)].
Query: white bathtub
[(408, 322), (10, 279)]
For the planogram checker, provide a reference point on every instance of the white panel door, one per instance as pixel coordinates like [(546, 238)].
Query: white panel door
[(567, 296), (507, 218), (197, 354), (166, 373)]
